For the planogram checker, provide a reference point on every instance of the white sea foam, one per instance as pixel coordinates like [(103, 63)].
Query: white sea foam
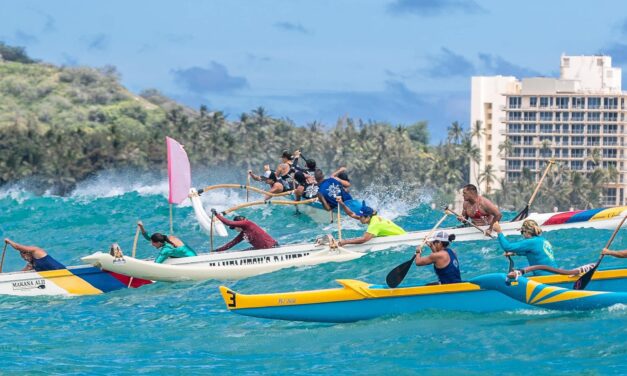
[(617, 308), (15, 191)]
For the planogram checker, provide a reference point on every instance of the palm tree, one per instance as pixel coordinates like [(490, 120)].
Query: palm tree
[(505, 148), (488, 176), (455, 133)]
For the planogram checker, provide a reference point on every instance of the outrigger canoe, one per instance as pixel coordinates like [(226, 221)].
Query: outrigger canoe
[(233, 265), (358, 300), (75, 280)]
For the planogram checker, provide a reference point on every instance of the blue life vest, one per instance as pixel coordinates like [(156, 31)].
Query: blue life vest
[(46, 263), (330, 188), (450, 273)]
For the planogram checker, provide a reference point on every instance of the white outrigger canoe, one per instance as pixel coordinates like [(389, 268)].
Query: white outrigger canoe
[(74, 280), (233, 265)]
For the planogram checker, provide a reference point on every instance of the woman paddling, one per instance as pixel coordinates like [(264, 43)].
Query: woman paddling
[(168, 246), (537, 249), (36, 258), (444, 259)]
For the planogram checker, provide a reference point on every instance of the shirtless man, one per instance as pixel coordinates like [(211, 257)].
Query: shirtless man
[(479, 210)]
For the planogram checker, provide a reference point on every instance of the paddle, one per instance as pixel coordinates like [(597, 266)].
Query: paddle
[(396, 275), (525, 212), (583, 281), (449, 211), (240, 186), (4, 251), (339, 222), (275, 202), (134, 251)]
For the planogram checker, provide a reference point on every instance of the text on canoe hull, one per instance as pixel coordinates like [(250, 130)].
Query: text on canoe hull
[(260, 260)]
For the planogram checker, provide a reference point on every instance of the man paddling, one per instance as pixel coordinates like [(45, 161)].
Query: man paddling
[(479, 210), (255, 235), (377, 226), (329, 189), (36, 258)]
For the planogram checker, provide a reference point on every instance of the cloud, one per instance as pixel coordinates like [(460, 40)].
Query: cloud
[(25, 38), (50, 24), (429, 8), (292, 27), (493, 64), (214, 79), (449, 64), (97, 42)]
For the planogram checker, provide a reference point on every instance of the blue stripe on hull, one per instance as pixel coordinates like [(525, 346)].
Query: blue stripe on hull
[(98, 278)]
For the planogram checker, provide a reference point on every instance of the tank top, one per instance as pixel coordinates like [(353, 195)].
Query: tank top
[(450, 273), (46, 263), (330, 188)]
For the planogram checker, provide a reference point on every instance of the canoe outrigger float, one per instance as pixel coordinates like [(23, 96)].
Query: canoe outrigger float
[(357, 300), (75, 280), (233, 265)]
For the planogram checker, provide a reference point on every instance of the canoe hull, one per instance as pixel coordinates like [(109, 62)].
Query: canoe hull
[(357, 300), (75, 280)]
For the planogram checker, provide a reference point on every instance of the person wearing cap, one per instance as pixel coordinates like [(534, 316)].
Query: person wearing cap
[(329, 189), (479, 210), (444, 259), (255, 235), (270, 178), (537, 249), (377, 226)]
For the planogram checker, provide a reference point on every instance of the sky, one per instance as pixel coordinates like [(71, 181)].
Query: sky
[(395, 61)]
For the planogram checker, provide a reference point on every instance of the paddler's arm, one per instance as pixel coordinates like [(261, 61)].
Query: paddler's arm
[(226, 221), (367, 236), (166, 251), (619, 254), (255, 177), (143, 230), (322, 200), (36, 252), (427, 260), (232, 243), (345, 183), (520, 248), (346, 208), (492, 210)]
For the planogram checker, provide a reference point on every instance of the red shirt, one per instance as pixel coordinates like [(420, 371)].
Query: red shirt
[(255, 235)]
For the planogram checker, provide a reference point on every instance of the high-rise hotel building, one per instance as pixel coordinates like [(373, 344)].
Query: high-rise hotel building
[(578, 118)]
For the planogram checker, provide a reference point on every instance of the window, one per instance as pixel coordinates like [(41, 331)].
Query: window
[(529, 128), (608, 164), (564, 140), (610, 128), (594, 128), (609, 196), (545, 153), (557, 153), (513, 116), (530, 164), (513, 164), (577, 128), (529, 116), (610, 141), (610, 153), (514, 102), (546, 116), (513, 128), (515, 140), (529, 152), (593, 141), (564, 116), (565, 153), (594, 116), (557, 128), (610, 116), (577, 116), (576, 165), (545, 102), (594, 102), (513, 176), (577, 140), (579, 102), (561, 102), (516, 152), (533, 101), (610, 103), (546, 128), (528, 140)]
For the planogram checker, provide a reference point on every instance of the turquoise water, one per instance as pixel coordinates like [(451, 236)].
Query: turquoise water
[(184, 328)]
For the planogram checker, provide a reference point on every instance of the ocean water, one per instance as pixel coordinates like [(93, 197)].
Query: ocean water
[(184, 328)]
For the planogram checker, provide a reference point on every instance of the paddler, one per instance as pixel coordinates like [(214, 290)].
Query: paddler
[(168, 246), (329, 189), (270, 178), (377, 226), (256, 236), (36, 258), (479, 210), (444, 259), (537, 249)]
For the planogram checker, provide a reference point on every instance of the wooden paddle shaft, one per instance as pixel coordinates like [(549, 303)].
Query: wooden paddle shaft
[(134, 251), (535, 192), (469, 222), (276, 202), (4, 251), (247, 187)]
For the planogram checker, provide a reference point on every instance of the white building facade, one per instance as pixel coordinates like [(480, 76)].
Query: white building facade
[(578, 119)]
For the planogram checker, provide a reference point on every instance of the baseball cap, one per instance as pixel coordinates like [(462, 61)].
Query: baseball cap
[(365, 211), (440, 236)]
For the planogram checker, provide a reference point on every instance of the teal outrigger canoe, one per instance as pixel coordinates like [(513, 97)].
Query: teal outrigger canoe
[(358, 300)]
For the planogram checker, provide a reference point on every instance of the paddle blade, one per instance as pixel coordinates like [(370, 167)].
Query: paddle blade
[(583, 281), (396, 276), (522, 215), (179, 172)]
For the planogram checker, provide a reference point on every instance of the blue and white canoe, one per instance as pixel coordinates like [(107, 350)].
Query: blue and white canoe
[(75, 280), (358, 300)]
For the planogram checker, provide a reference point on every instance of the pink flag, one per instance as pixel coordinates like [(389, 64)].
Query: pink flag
[(179, 172)]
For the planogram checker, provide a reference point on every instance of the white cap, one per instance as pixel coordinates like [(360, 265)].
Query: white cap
[(266, 174), (441, 236)]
